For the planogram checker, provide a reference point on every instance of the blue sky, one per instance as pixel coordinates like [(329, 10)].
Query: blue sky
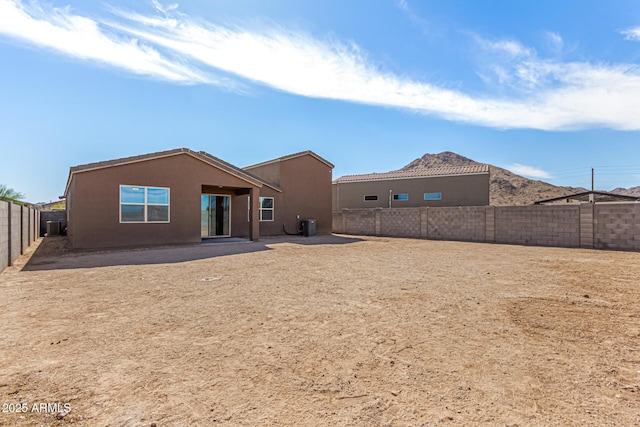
[(547, 89)]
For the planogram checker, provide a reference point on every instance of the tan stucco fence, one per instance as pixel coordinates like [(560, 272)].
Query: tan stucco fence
[(594, 226), (19, 227)]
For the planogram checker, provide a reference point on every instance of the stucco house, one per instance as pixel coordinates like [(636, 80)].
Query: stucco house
[(185, 196), (436, 187)]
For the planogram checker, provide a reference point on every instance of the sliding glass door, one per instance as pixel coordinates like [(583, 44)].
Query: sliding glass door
[(215, 215)]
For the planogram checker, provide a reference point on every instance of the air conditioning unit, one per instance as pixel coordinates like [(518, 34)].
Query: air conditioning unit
[(53, 228), (308, 227)]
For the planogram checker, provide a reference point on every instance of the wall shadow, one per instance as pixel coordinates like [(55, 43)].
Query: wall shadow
[(321, 239), (54, 252)]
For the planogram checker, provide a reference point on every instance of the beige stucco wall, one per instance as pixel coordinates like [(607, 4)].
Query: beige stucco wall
[(459, 190)]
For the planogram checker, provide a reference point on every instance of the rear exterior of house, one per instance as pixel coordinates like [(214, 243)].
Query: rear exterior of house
[(172, 197), (305, 183), (441, 187)]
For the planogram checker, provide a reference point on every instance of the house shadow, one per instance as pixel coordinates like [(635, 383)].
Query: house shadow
[(320, 239), (54, 253)]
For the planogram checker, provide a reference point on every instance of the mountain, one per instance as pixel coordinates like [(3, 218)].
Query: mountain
[(633, 191), (505, 188)]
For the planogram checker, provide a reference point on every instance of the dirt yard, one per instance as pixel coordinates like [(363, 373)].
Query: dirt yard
[(332, 330)]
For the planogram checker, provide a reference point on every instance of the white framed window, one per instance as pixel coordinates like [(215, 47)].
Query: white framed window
[(432, 196), (266, 208), (371, 198), (401, 196), (144, 204)]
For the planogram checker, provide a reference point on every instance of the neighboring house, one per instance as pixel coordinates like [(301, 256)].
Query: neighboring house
[(185, 196), (589, 197), (446, 186), (58, 205)]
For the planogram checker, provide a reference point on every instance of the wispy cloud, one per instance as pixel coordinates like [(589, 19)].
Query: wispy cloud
[(510, 48), (512, 64), (632, 34), (556, 41), (165, 10), (403, 5), (175, 47), (84, 38), (583, 94), (529, 171)]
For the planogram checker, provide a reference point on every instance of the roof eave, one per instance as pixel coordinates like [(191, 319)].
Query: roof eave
[(292, 156), (337, 181), (202, 156), (586, 193)]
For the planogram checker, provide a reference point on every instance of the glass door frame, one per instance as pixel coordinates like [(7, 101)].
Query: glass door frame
[(209, 225)]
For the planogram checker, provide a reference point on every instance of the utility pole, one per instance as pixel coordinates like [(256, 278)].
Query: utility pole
[(592, 181)]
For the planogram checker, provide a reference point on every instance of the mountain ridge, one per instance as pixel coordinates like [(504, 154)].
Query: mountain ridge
[(632, 191)]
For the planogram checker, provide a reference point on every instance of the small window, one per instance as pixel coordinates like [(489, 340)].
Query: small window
[(433, 196), (266, 208), (370, 198), (132, 213), (130, 194), (144, 204), (401, 196)]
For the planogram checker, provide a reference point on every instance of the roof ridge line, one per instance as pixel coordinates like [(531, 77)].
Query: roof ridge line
[(416, 173)]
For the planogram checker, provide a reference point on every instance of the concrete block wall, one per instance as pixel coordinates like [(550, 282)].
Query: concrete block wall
[(617, 226), (586, 225), (32, 226), (538, 225), (490, 225), (398, 222), (359, 221), (24, 226), (4, 235), (457, 223), (36, 222), (600, 226), (18, 229)]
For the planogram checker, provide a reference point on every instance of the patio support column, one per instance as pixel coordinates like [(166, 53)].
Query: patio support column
[(254, 214)]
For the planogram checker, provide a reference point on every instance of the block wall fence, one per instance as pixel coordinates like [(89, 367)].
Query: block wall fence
[(586, 225), (19, 228)]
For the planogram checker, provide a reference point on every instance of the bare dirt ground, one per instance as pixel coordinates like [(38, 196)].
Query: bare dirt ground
[(330, 330)]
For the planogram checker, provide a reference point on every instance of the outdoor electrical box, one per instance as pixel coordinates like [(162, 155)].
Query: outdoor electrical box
[(308, 227)]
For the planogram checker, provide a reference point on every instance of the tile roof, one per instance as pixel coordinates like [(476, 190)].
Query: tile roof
[(291, 156), (131, 159), (202, 155), (415, 173)]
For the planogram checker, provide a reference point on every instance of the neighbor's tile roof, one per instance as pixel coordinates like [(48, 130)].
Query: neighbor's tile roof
[(415, 173)]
